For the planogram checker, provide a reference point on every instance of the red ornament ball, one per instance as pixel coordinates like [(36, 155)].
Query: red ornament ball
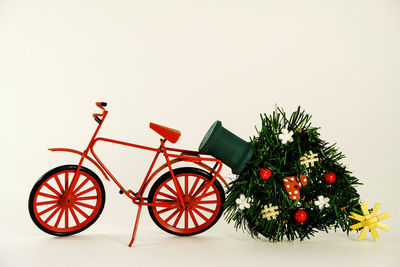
[(265, 173), (330, 178), (300, 216)]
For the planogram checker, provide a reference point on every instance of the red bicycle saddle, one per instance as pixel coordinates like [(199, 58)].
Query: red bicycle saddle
[(170, 134)]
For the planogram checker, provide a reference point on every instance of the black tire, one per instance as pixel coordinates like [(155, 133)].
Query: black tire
[(173, 229), (68, 213)]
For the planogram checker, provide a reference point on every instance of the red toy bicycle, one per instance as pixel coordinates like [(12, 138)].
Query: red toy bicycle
[(183, 201)]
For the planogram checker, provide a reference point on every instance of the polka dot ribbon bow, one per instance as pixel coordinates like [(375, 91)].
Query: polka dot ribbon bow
[(293, 185)]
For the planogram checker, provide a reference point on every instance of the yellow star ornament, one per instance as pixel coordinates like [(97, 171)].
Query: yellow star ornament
[(369, 221)]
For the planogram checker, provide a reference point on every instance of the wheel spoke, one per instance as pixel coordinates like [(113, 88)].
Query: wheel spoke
[(171, 216), (186, 185), (200, 214), (87, 198), (59, 217), (80, 211), (85, 191), (167, 196), (178, 218), (194, 186), (206, 195), (59, 184), (66, 182), (52, 215), (48, 209), (164, 210), (171, 190), (76, 190), (74, 215), (193, 218), (46, 202), (201, 188), (186, 219), (66, 218), (48, 195), (84, 205), (52, 189), (205, 209)]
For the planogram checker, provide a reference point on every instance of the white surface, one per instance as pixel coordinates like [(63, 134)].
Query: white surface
[(185, 64)]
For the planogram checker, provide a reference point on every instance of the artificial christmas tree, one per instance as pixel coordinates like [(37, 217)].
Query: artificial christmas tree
[(294, 184)]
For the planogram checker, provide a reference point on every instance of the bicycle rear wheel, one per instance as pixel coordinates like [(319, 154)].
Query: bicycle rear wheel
[(197, 215), (61, 214)]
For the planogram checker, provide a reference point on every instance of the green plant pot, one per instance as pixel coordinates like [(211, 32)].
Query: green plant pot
[(227, 147)]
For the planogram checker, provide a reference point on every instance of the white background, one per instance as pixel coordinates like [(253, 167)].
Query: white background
[(185, 64)]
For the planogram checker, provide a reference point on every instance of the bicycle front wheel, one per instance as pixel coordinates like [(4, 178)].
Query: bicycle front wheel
[(58, 213), (198, 214)]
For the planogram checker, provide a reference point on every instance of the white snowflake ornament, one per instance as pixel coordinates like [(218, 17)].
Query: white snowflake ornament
[(322, 202), (270, 212), (308, 160), (243, 202), (286, 136)]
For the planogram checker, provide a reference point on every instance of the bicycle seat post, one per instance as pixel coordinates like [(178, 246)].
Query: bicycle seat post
[(176, 183)]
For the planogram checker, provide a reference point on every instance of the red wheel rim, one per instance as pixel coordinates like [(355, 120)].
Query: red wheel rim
[(198, 212), (59, 212)]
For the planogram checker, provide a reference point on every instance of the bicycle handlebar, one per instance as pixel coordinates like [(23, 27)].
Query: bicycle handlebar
[(101, 104), (97, 116), (97, 119)]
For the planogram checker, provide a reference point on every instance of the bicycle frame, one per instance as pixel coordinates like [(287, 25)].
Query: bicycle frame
[(171, 156)]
